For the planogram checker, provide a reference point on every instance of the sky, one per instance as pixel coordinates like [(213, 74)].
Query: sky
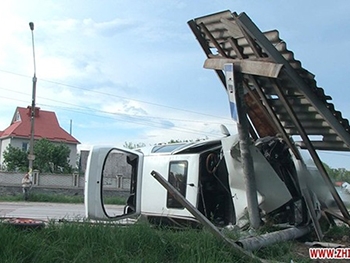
[(117, 71)]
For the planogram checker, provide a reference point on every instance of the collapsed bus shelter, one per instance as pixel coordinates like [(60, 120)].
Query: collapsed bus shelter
[(280, 96)]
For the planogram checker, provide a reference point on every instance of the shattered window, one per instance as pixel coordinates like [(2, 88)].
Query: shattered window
[(178, 179)]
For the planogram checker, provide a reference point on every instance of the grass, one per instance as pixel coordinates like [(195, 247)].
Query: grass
[(284, 252), (72, 242), (58, 198), (69, 242), (297, 251), (84, 242)]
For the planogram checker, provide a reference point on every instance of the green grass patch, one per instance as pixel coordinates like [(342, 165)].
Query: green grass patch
[(58, 198), (70, 242), (85, 242), (283, 252), (337, 232)]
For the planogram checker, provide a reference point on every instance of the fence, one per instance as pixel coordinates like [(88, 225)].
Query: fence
[(61, 180)]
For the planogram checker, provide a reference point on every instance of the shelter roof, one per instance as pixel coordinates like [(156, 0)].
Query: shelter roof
[(281, 96)]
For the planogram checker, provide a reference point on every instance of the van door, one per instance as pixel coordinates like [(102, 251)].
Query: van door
[(111, 171), (181, 171)]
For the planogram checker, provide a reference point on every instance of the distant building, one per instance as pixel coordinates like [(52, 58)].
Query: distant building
[(46, 127), (84, 154)]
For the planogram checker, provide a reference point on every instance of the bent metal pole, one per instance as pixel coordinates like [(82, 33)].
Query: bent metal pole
[(200, 217)]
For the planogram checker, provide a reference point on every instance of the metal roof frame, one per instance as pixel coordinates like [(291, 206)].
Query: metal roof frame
[(281, 97), (235, 38)]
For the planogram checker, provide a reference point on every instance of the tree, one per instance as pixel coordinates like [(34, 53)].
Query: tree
[(130, 145), (43, 150), (50, 157), (60, 158), (181, 141), (337, 174), (15, 159), (330, 171), (343, 174)]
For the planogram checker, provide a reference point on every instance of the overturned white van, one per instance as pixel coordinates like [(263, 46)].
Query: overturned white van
[(209, 174)]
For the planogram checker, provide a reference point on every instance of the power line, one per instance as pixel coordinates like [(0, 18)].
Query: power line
[(136, 119), (132, 119), (106, 112), (117, 96)]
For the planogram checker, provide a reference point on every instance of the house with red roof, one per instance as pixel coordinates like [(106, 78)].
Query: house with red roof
[(46, 126)]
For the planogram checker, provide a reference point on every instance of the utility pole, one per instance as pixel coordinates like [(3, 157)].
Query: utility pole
[(31, 155)]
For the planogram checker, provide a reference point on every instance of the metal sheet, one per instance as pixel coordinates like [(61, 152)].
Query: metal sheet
[(310, 103)]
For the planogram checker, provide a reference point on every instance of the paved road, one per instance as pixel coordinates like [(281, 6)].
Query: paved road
[(56, 211), (44, 211)]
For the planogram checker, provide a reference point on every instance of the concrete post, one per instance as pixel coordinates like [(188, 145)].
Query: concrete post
[(244, 143)]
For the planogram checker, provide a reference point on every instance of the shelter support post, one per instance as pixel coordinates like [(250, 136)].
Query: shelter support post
[(235, 89)]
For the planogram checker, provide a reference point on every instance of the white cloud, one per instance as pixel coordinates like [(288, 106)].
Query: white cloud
[(133, 71)]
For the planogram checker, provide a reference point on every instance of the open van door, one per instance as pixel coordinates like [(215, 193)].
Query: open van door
[(109, 170)]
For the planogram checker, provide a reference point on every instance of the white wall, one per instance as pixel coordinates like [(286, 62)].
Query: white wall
[(57, 181), (16, 142), (73, 154), (4, 144)]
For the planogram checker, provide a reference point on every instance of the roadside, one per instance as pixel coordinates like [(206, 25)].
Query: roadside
[(57, 195), (42, 210), (47, 211)]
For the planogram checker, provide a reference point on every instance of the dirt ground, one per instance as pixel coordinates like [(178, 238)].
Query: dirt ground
[(301, 247)]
